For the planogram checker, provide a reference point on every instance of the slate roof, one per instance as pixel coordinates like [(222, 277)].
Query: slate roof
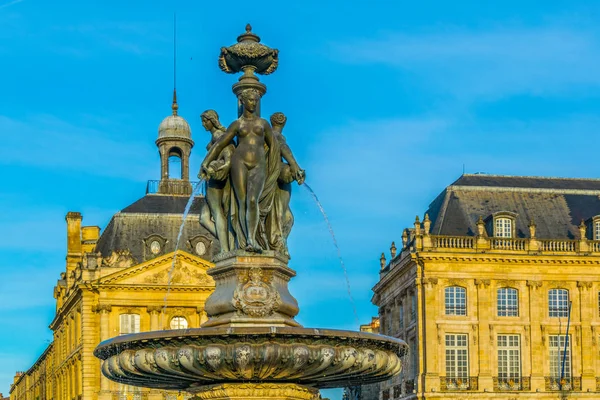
[(154, 214), (557, 205)]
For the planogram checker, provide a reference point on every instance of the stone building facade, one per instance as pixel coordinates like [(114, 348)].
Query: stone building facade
[(497, 292), (126, 280)]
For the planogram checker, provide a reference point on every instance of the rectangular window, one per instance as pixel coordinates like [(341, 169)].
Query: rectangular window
[(457, 356), (509, 359), (597, 230), (503, 227), (455, 300), (508, 302), (558, 303), (401, 316), (413, 307), (130, 323), (558, 355)]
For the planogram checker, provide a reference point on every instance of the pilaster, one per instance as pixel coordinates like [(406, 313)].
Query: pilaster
[(588, 358), (537, 336), (482, 335)]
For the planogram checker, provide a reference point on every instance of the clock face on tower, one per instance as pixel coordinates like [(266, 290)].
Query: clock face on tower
[(155, 247), (200, 248)]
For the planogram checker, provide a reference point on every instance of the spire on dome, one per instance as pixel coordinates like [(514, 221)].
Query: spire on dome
[(174, 106)]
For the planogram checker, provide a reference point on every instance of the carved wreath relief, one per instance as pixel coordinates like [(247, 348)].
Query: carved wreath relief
[(255, 295)]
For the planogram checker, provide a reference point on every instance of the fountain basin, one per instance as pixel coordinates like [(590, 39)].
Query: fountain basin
[(196, 359)]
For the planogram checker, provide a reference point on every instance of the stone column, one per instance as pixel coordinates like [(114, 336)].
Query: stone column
[(104, 310), (538, 338), (154, 312)]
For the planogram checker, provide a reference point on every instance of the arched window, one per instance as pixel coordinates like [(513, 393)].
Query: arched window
[(130, 323), (503, 227), (508, 302), (558, 303), (175, 167), (179, 323), (455, 300)]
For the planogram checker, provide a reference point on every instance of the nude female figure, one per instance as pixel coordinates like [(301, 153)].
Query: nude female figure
[(248, 164), (216, 182)]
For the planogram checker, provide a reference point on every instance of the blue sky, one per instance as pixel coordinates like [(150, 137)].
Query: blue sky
[(386, 101)]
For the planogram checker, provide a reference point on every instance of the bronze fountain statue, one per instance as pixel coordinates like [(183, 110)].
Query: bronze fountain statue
[(251, 347)]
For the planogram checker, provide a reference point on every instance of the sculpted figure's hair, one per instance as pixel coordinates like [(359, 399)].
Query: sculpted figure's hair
[(246, 93), (278, 118), (213, 117)]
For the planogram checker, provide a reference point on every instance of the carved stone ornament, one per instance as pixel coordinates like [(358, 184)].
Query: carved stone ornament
[(543, 329), (457, 282), (255, 295), (154, 309), (584, 285), (506, 283), (431, 281), (534, 284), (181, 275), (119, 259), (103, 308), (482, 282)]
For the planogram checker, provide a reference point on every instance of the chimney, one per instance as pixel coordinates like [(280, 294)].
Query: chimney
[(73, 232), (89, 238)]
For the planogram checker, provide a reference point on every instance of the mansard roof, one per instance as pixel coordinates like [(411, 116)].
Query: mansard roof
[(557, 205), (155, 216)]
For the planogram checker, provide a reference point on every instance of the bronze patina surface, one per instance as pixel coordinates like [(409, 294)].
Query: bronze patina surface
[(193, 358), (251, 347)]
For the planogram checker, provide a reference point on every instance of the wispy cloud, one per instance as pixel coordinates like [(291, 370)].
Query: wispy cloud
[(491, 63), (54, 143), (10, 3)]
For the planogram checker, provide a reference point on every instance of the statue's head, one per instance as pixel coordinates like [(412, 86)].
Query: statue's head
[(210, 119), (278, 119), (250, 98)]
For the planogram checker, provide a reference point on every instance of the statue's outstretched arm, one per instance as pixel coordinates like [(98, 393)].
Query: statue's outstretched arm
[(286, 152), (218, 147)]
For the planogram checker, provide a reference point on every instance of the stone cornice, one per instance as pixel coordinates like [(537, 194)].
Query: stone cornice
[(147, 265), (173, 288), (68, 304), (394, 271), (506, 258)]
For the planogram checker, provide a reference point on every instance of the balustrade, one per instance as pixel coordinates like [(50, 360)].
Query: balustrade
[(559, 246), (454, 242), (509, 244)]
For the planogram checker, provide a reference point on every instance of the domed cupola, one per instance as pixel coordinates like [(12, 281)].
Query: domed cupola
[(174, 143)]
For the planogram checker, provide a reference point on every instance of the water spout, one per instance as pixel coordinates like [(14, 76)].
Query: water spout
[(337, 247), (195, 191)]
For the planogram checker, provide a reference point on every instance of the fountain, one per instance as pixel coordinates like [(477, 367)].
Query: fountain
[(251, 347)]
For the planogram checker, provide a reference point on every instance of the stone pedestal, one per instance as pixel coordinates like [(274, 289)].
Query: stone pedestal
[(257, 391), (251, 290)]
